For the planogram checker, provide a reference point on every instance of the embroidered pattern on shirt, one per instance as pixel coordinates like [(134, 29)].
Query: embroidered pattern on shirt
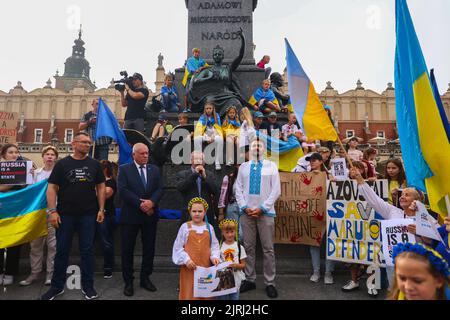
[(255, 178)]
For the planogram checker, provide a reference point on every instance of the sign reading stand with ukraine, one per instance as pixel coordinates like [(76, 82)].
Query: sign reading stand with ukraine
[(353, 227)]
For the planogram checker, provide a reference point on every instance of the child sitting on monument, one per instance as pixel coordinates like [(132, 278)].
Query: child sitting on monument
[(291, 129), (231, 127), (196, 245), (264, 100), (209, 130), (162, 128)]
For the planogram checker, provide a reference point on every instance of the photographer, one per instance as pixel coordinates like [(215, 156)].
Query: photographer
[(135, 100), (88, 124)]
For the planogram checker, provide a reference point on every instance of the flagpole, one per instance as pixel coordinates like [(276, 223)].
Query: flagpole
[(447, 202), (345, 151), (93, 149)]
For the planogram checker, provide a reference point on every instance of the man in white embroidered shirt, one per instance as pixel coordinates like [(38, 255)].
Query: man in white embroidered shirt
[(257, 189)]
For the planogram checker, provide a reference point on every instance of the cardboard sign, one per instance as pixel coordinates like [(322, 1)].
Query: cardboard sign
[(426, 225), (353, 227), (301, 211), (8, 127), (339, 169), (395, 232), (214, 282), (16, 173)]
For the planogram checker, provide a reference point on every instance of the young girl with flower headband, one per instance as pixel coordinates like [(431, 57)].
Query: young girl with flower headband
[(420, 274), (209, 129), (196, 245), (232, 251), (230, 127)]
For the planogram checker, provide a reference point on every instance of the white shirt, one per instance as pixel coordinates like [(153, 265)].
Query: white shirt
[(303, 165), (387, 211), (286, 129), (261, 194), (40, 175), (230, 253), (138, 166), (179, 256), (247, 134)]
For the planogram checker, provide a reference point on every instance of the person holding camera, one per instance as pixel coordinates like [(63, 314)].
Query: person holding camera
[(88, 124), (135, 100)]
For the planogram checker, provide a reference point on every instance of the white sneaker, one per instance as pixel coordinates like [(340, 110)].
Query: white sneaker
[(350, 286), (328, 278), (28, 281), (48, 279), (8, 280), (218, 167), (315, 277)]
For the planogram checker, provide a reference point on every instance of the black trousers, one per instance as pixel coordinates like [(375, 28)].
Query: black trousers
[(11, 268), (148, 238)]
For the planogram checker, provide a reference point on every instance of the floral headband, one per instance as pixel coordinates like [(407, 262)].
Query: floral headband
[(433, 256), (228, 222), (198, 200)]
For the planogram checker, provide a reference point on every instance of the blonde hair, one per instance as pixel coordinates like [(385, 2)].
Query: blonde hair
[(225, 123), (247, 116), (213, 112), (196, 50), (266, 81), (48, 148), (415, 193)]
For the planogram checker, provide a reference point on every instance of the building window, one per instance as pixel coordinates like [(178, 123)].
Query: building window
[(353, 111), (38, 133), (68, 136), (350, 133), (381, 134)]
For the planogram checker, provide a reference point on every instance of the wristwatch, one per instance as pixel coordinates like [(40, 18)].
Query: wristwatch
[(50, 210)]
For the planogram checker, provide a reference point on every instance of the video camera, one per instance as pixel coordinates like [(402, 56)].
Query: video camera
[(120, 84)]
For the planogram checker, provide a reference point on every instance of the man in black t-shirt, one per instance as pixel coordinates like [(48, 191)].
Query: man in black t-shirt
[(135, 100), (76, 202)]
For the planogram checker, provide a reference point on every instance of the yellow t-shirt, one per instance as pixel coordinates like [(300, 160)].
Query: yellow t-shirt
[(230, 130)]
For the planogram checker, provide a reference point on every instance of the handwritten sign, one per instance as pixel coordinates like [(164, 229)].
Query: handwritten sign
[(8, 127), (301, 211), (353, 227)]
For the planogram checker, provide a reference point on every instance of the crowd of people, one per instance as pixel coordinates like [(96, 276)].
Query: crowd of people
[(221, 219)]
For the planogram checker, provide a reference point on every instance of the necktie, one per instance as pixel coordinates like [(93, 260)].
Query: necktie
[(144, 181)]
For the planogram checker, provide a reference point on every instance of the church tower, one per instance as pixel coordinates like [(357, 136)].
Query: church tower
[(77, 69)]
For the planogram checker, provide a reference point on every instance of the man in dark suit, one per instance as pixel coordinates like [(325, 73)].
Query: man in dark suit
[(140, 189), (198, 182)]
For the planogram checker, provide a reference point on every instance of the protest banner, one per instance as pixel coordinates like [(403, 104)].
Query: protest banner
[(426, 225), (339, 169), (16, 173), (353, 227), (301, 211), (214, 282), (8, 127), (395, 232)]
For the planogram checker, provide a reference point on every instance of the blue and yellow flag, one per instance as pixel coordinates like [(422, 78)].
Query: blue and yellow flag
[(308, 108), (424, 142), (107, 126), (192, 65), (23, 216), (284, 153)]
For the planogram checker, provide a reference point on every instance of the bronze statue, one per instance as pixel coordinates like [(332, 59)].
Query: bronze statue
[(216, 83)]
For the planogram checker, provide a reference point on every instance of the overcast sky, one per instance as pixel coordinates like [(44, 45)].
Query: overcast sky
[(340, 41)]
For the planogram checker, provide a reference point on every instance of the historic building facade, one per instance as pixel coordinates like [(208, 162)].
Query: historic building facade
[(52, 114)]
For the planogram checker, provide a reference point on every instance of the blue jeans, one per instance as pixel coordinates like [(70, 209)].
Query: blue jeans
[(315, 259), (106, 230), (232, 297), (101, 152), (233, 213), (85, 226), (170, 102)]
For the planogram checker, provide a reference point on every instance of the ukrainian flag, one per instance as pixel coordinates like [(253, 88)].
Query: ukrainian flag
[(23, 215), (308, 108), (424, 142), (284, 154)]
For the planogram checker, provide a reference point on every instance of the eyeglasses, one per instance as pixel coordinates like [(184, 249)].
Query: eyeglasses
[(83, 142)]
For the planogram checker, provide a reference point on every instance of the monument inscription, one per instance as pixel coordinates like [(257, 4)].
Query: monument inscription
[(216, 22)]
